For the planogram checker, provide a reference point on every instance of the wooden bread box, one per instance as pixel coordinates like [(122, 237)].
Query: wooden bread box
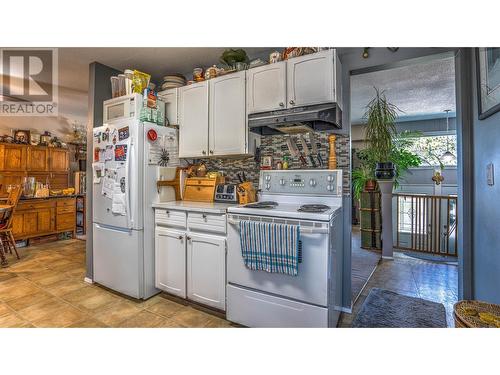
[(200, 189)]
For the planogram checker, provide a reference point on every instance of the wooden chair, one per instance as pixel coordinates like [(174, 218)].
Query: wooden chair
[(7, 241)]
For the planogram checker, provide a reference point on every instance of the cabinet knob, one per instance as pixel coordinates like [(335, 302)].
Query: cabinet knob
[(188, 238), (181, 237), (204, 152), (292, 102), (204, 216), (212, 152), (282, 104)]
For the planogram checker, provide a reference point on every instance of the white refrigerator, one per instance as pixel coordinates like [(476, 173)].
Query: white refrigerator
[(127, 155)]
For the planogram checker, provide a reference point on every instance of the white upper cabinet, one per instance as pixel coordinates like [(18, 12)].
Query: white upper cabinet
[(170, 261), (311, 79), (266, 88), (169, 97), (193, 120), (206, 270), (228, 122)]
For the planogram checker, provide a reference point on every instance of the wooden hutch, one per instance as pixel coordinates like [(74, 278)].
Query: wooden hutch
[(38, 216)]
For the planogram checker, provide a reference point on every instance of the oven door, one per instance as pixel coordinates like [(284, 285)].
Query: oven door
[(311, 283)]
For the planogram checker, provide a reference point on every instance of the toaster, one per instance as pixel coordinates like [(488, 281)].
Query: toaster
[(226, 193)]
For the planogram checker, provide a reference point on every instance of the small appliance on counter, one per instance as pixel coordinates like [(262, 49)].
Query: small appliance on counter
[(226, 193)]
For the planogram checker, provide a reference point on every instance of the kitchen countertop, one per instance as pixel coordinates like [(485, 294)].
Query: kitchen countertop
[(209, 207), (49, 197)]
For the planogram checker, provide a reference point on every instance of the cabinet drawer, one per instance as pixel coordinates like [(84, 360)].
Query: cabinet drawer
[(65, 221), (171, 218), (34, 205), (215, 223), (66, 209), (200, 181), (66, 202)]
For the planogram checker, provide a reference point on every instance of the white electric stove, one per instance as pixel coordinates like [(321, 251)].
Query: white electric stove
[(311, 199)]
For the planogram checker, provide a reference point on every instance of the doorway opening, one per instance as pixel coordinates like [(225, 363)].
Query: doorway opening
[(424, 204)]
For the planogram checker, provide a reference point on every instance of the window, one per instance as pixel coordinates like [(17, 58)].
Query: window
[(431, 149), (409, 215)]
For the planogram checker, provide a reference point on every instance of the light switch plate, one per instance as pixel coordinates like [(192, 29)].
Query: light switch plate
[(490, 174)]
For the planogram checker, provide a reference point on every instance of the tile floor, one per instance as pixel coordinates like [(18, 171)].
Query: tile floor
[(433, 281), (46, 289), (363, 263)]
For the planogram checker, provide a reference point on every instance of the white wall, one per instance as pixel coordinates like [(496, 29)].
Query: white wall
[(72, 107)]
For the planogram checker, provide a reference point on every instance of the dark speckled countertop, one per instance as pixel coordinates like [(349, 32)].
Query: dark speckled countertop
[(51, 197)]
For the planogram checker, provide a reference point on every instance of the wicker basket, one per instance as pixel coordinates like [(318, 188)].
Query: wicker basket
[(476, 314)]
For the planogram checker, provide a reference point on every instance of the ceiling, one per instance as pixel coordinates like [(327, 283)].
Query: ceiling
[(74, 62), (420, 91)]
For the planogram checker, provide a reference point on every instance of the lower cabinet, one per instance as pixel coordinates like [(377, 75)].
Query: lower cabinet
[(44, 216), (206, 270), (170, 261), (191, 264)]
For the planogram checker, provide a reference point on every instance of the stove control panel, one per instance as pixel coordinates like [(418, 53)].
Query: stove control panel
[(320, 182)]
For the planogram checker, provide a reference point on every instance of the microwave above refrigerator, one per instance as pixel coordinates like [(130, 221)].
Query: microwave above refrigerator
[(130, 106), (123, 107)]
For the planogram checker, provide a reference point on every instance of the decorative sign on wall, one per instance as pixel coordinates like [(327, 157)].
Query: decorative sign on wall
[(488, 81)]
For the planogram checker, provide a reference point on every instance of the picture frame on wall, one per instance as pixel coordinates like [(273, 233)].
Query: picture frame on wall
[(488, 81), (22, 136)]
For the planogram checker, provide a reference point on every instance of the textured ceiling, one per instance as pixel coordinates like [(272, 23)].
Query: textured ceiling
[(74, 62), (420, 91)]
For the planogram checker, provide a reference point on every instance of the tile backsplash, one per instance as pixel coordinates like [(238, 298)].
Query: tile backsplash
[(276, 147)]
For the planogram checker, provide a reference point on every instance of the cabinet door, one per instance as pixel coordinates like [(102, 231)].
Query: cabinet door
[(30, 222), (193, 120), (170, 261), (46, 220), (58, 180), (169, 97), (12, 158), (66, 221), (59, 160), (38, 159), (228, 123), (17, 225), (266, 88), (310, 79), (206, 270)]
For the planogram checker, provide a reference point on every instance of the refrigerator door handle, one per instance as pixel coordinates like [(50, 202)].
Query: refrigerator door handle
[(113, 229), (127, 184)]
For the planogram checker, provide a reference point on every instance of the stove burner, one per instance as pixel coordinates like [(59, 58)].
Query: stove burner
[(313, 208), (262, 205)]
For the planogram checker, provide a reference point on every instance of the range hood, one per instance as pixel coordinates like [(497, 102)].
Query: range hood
[(319, 117)]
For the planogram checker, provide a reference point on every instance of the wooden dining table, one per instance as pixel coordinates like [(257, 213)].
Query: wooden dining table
[(3, 208)]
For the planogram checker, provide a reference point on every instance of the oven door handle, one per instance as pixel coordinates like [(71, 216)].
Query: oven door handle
[(303, 230)]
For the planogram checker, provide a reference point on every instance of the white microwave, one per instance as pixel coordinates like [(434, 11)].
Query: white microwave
[(124, 107)]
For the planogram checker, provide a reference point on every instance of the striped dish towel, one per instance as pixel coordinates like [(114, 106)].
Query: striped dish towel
[(270, 247)]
